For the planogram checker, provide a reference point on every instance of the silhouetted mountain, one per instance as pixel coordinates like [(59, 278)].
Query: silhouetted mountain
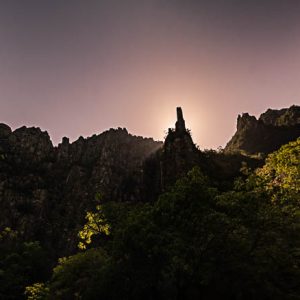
[(179, 155), (273, 129), (45, 191)]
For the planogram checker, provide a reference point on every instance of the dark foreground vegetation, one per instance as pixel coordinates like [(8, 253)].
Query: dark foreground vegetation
[(116, 216), (194, 242)]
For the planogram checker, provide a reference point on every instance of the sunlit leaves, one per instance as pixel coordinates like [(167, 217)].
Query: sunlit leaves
[(281, 173), (8, 233), (37, 291), (95, 224)]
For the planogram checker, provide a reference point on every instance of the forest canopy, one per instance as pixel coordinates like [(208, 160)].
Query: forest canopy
[(194, 242)]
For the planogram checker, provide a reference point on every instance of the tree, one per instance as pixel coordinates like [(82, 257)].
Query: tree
[(96, 224), (194, 242), (21, 264), (281, 174)]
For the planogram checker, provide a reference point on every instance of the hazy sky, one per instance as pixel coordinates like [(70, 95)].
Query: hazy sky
[(80, 67)]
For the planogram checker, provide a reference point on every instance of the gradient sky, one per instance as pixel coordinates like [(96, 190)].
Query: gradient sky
[(80, 67)]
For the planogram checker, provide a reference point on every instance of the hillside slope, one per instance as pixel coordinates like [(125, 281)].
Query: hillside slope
[(45, 191), (266, 134)]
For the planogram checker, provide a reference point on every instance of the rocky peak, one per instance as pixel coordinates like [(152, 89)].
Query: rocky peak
[(283, 117), (245, 120), (179, 136), (31, 144), (179, 152), (5, 130), (180, 123), (40, 182), (273, 129)]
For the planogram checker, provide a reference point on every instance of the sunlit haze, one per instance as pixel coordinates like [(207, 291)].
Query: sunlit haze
[(81, 67)]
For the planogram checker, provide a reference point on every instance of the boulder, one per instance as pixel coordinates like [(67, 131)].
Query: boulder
[(5, 130)]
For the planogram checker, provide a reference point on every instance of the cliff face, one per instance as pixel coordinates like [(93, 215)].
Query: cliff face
[(45, 190), (273, 129), (282, 117)]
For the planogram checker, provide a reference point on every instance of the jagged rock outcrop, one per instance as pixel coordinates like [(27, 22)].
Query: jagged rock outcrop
[(45, 191), (5, 130), (273, 129), (179, 153), (282, 117)]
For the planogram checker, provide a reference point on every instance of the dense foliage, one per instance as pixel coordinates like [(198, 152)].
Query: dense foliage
[(194, 242), (280, 175), (21, 263)]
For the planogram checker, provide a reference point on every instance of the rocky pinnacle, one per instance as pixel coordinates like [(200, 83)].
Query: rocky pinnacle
[(180, 124)]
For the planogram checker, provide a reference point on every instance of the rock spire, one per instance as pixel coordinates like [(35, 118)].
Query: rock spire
[(180, 124)]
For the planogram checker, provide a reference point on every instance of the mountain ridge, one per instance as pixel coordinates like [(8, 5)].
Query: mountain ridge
[(45, 190), (267, 133)]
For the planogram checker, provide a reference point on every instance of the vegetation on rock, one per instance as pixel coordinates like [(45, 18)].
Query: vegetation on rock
[(172, 222), (196, 242), (273, 129)]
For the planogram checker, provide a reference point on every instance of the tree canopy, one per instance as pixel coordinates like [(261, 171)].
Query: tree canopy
[(194, 242)]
